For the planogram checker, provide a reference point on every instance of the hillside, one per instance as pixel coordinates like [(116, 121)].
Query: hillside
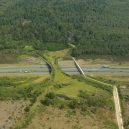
[(95, 27)]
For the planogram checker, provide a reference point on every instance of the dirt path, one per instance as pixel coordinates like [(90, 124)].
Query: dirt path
[(118, 108)]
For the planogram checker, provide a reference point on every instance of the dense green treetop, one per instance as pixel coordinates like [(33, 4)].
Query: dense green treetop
[(95, 27)]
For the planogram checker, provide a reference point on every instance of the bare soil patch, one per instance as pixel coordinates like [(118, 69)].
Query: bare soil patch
[(119, 78), (11, 112), (30, 60), (102, 61), (53, 118), (66, 63)]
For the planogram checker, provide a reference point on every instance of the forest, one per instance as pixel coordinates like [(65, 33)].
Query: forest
[(95, 27)]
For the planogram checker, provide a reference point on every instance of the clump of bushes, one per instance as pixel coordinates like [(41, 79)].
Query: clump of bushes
[(57, 100), (73, 104), (60, 85), (51, 95), (126, 122), (27, 109), (50, 99), (86, 102), (90, 100)]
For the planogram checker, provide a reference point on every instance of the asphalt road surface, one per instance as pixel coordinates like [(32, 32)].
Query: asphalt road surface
[(43, 69), (92, 69), (35, 69)]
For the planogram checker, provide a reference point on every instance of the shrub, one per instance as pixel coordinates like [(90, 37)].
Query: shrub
[(73, 104), (51, 95), (90, 100), (47, 101), (27, 109)]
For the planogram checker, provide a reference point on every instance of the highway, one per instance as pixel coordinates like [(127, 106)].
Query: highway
[(92, 69), (35, 69), (43, 69)]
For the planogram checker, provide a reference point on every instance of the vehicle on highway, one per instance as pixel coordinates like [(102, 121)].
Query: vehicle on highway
[(106, 66), (26, 71)]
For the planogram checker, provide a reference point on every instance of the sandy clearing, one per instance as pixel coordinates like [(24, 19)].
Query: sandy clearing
[(10, 112), (53, 118)]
